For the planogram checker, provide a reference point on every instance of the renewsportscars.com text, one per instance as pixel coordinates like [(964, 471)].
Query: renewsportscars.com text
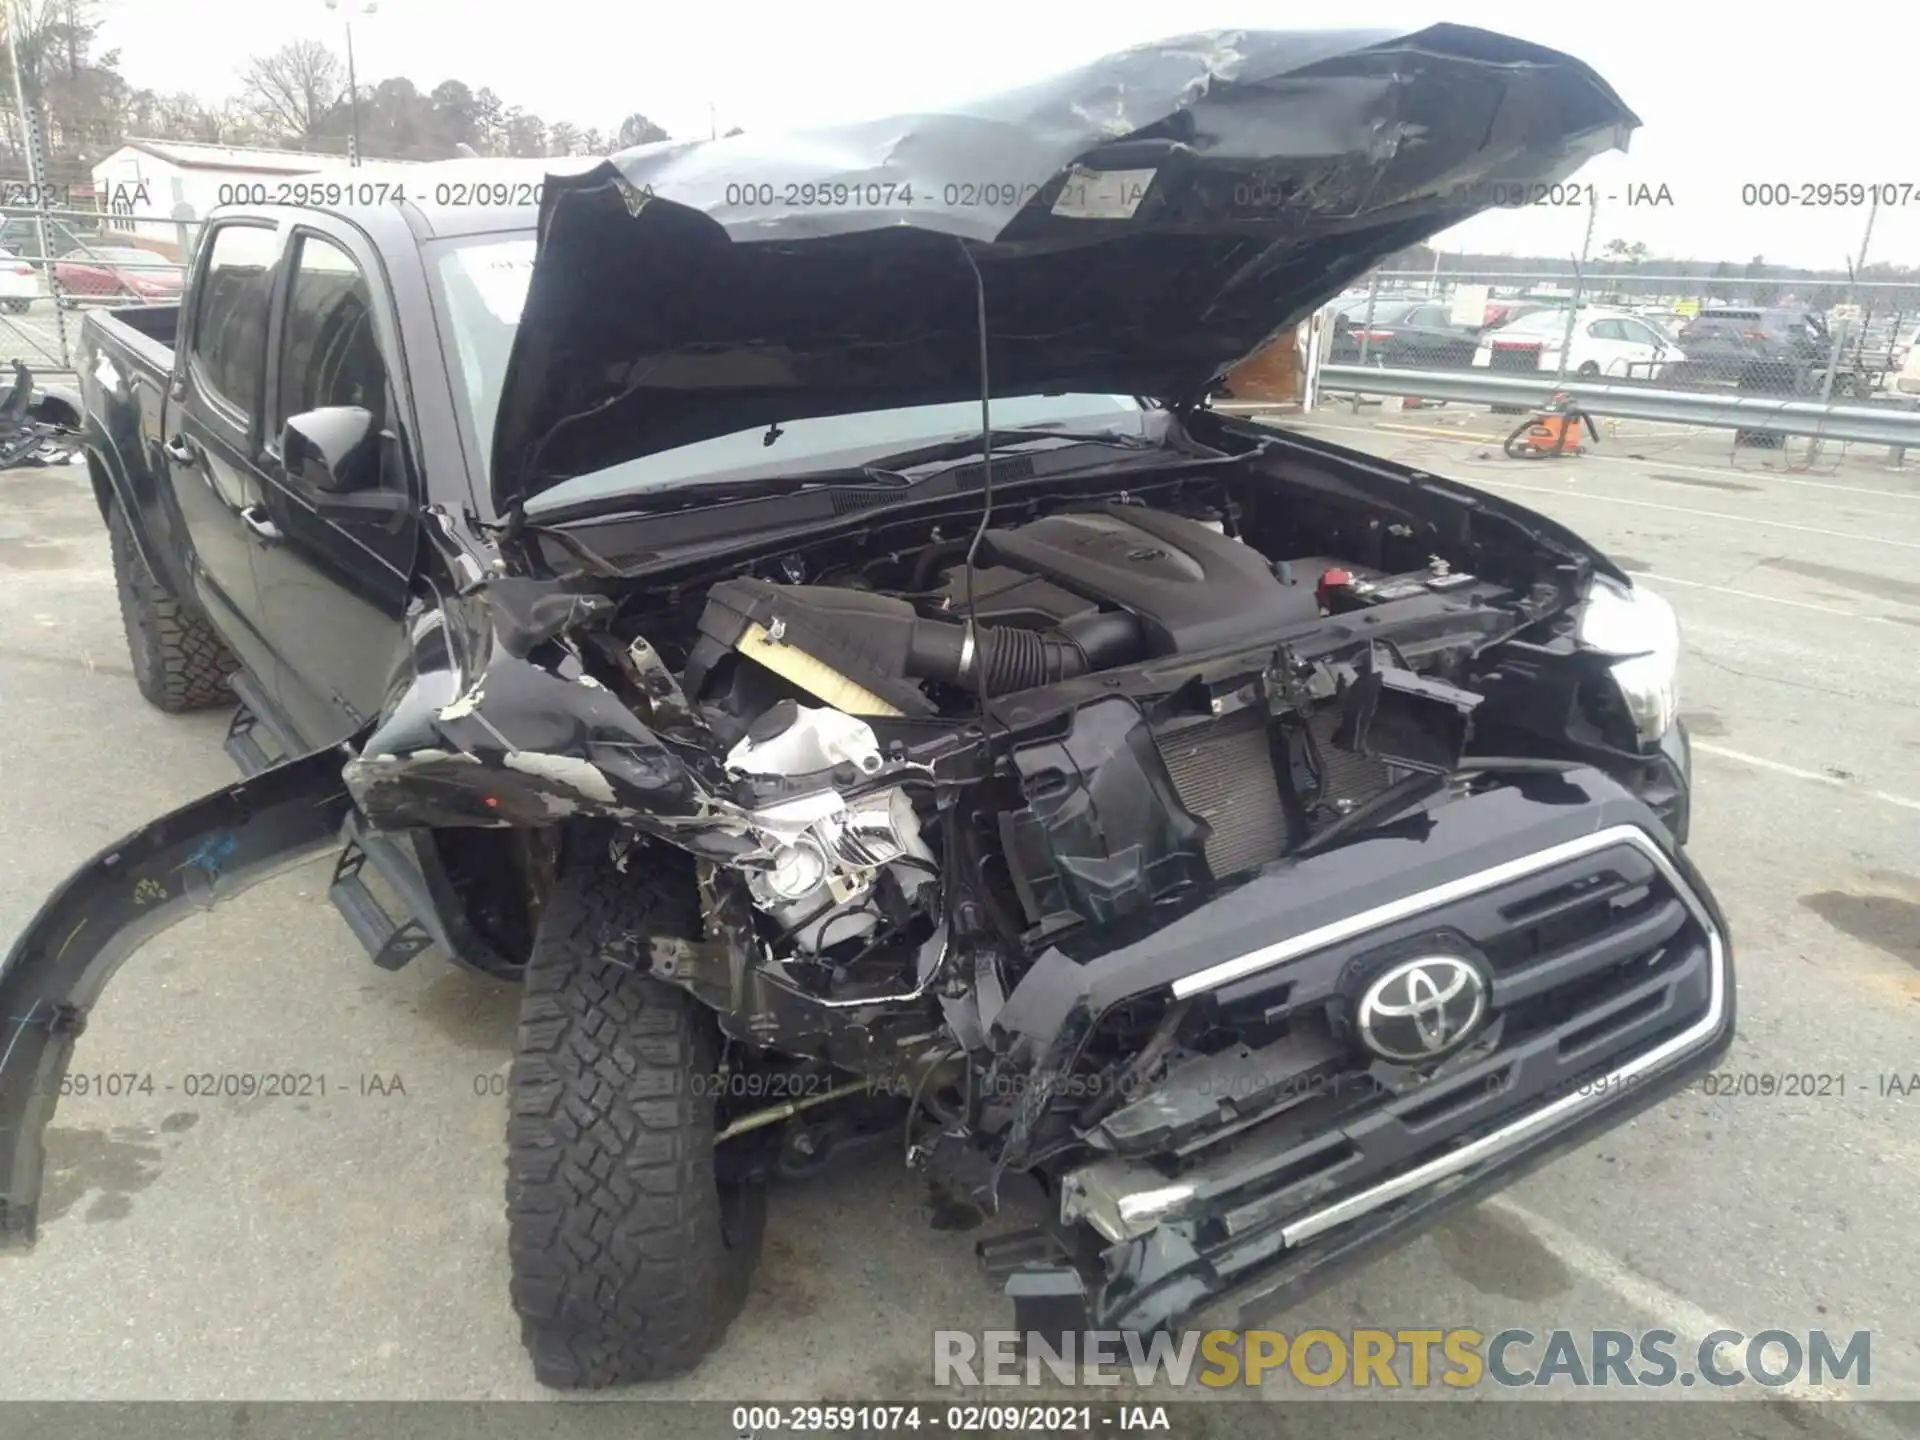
[(1411, 1358)]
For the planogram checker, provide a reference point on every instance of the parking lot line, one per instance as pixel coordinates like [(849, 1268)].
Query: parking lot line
[(1664, 580), (1474, 438), (1673, 1310), (1781, 768), (1604, 499)]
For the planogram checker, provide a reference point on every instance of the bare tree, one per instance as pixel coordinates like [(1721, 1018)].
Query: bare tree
[(489, 121), (563, 138), (526, 134), (75, 98), (636, 129), (291, 91)]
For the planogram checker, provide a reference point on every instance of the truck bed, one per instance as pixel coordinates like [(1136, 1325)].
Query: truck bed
[(143, 334)]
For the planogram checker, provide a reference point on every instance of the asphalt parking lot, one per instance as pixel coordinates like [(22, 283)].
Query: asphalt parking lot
[(33, 335), (352, 1246)]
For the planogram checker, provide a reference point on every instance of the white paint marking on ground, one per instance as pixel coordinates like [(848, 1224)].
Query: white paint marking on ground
[(1605, 499), (1781, 768), (1658, 581), (1674, 1311)]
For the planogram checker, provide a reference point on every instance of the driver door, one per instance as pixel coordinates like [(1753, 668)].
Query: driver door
[(334, 582)]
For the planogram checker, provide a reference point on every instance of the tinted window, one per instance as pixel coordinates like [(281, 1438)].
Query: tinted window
[(1433, 315), (230, 333), (329, 351), (1539, 322)]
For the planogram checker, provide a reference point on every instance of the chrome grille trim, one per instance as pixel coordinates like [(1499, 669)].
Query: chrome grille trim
[(1567, 1107)]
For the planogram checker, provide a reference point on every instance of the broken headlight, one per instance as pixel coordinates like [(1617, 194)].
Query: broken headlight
[(1639, 629)]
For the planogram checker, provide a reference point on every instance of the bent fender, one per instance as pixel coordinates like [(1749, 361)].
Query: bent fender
[(195, 857)]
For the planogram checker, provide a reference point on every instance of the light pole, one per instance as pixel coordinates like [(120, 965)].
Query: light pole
[(353, 84)]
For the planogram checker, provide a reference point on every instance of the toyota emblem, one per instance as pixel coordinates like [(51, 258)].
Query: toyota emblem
[(1421, 1009)]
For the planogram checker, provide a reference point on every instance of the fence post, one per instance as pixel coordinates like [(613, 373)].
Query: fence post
[(1366, 333), (43, 224), (36, 177), (1579, 288)]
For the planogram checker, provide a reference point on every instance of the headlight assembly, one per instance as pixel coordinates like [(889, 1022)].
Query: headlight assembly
[(1639, 628)]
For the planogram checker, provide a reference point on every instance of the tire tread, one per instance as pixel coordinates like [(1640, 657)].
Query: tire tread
[(622, 1267)]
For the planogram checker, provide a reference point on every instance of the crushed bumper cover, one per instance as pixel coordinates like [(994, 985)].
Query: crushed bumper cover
[(1599, 1024), (197, 856)]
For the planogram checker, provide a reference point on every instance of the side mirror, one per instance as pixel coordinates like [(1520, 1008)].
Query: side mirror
[(334, 451)]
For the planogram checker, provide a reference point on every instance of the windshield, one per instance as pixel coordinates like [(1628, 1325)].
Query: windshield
[(484, 285)]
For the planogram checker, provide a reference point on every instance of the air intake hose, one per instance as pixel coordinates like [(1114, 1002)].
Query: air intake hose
[(1010, 659)]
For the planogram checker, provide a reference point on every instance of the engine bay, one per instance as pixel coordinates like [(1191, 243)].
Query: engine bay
[(1168, 707), (913, 759)]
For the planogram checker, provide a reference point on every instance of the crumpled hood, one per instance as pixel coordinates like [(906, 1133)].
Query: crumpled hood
[(1138, 225)]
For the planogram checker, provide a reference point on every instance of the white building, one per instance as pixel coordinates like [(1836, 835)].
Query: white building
[(150, 189)]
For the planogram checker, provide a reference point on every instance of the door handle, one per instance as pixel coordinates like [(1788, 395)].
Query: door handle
[(181, 451), (255, 518)]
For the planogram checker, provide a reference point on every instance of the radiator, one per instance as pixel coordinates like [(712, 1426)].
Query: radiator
[(1223, 772)]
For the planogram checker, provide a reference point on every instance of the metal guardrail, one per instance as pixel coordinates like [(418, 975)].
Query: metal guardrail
[(1627, 400)]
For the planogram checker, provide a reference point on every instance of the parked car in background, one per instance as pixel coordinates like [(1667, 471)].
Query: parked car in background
[(1505, 312), (1604, 342), (1412, 334), (1906, 343), (1769, 348), (1669, 323), (1905, 379), (19, 286), (119, 273)]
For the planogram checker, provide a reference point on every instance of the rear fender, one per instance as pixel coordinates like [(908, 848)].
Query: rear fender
[(197, 856)]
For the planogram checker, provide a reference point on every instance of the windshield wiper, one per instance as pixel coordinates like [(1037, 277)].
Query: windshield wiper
[(960, 447), (718, 492)]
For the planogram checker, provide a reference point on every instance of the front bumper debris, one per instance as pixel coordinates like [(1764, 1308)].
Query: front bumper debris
[(1611, 987), (197, 856)]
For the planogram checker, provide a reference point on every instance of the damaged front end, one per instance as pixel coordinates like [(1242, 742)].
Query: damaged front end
[(1259, 843), (1177, 920)]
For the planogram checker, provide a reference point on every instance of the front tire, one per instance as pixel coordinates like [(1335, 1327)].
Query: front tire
[(178, 661), (629, 1257)]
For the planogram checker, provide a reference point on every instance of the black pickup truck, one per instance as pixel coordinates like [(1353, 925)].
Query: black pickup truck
[(733, 592)]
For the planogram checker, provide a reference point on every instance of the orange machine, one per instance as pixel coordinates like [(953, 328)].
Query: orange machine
[(1552, 430)]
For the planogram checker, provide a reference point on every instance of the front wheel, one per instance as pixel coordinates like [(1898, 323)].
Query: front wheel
[(630, 1257)]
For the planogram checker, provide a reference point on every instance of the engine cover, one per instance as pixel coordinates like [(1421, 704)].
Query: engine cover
[(1192, 588)]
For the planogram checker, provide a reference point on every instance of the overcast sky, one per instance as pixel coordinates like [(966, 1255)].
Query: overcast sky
[(1727, 96)]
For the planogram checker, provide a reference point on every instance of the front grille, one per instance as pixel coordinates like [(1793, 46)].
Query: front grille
[(1590, 962), (1223, 772)]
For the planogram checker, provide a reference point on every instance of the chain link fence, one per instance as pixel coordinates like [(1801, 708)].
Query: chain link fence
[(56, 263), (1845, 332)]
